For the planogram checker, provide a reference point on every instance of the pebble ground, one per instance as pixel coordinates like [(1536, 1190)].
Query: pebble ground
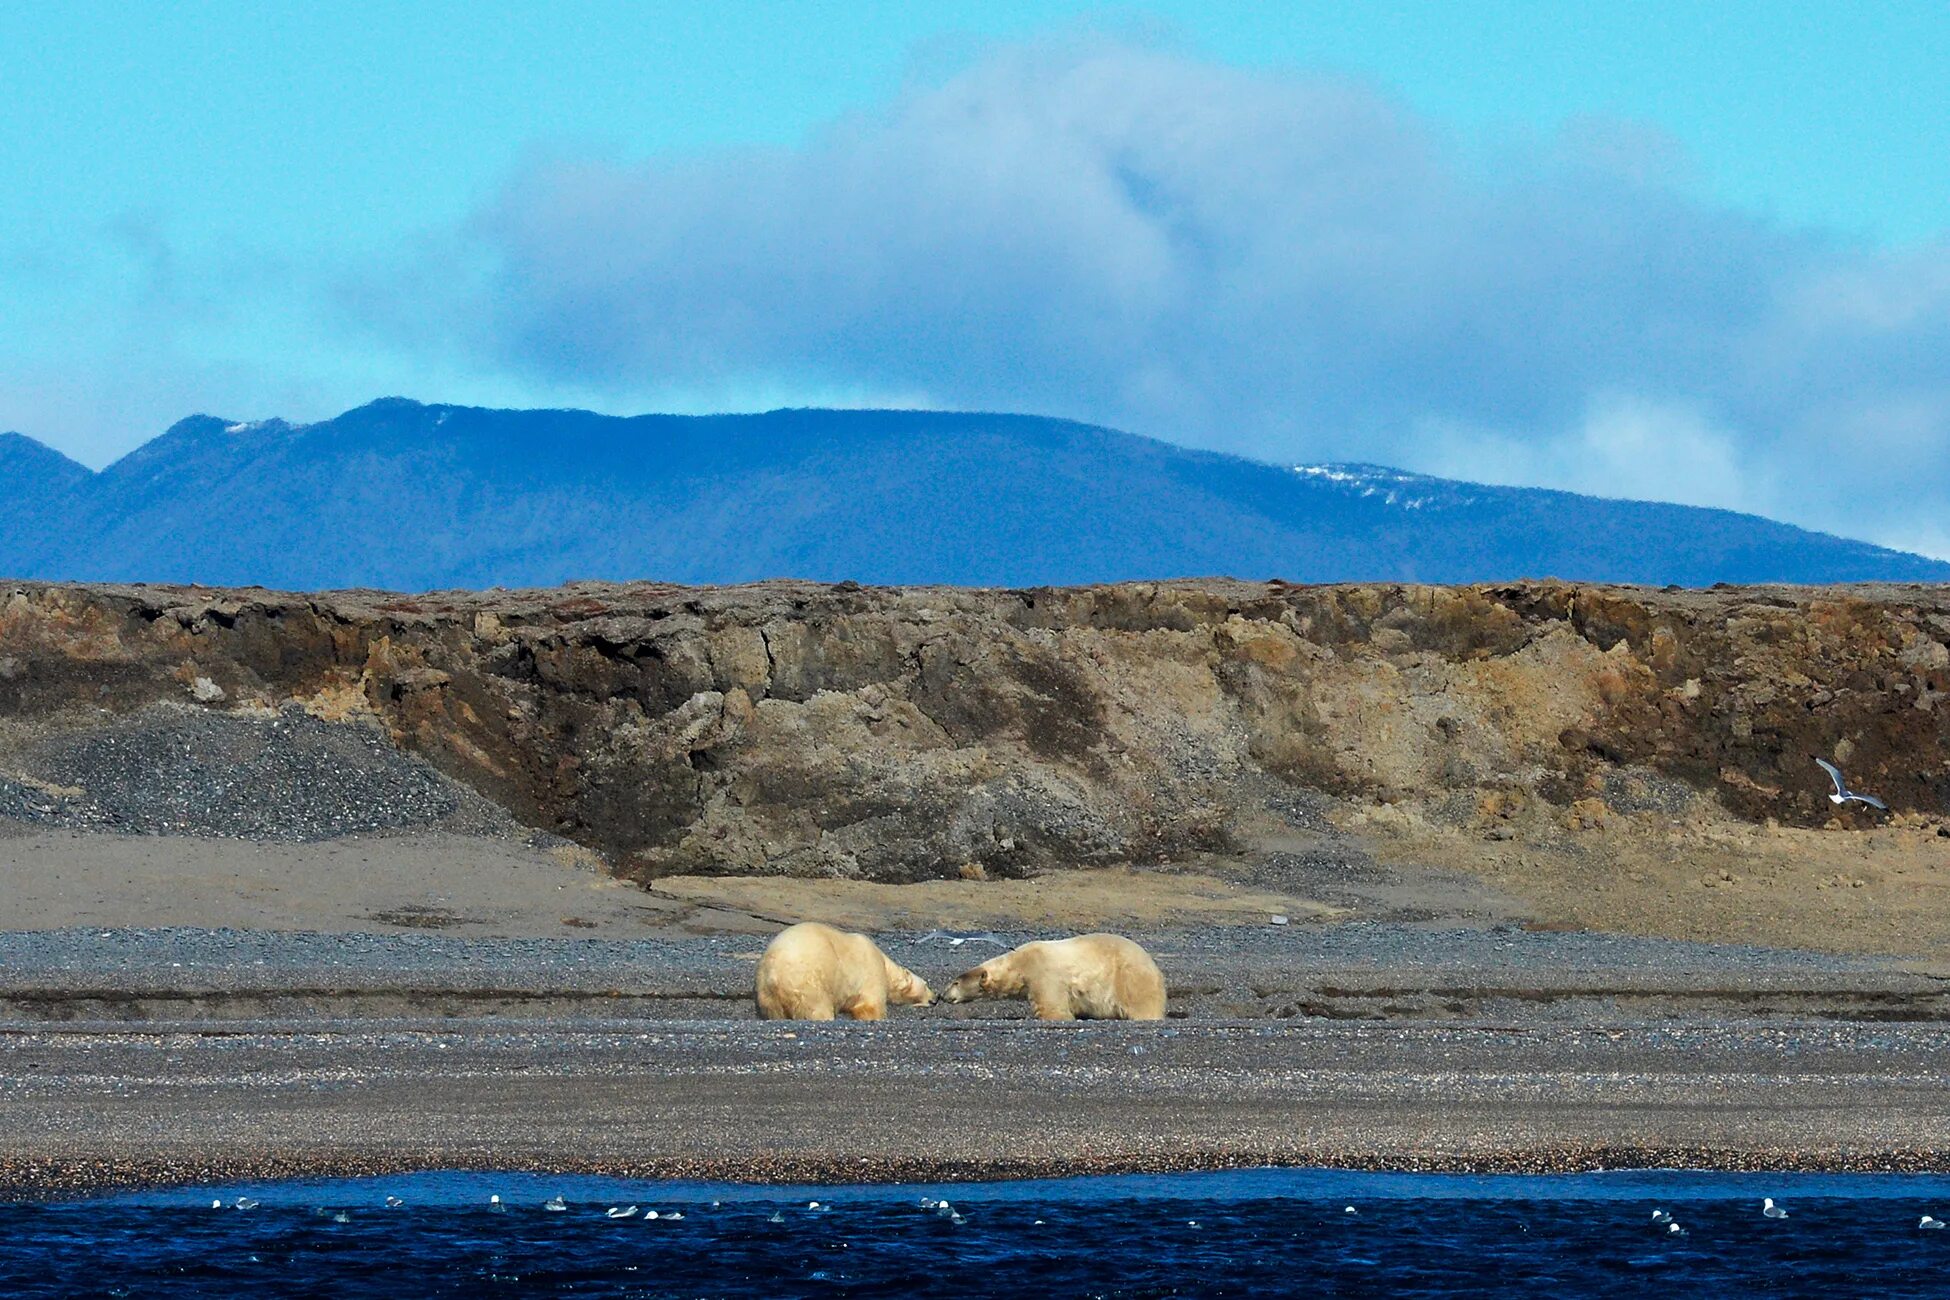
[(919, 1099)]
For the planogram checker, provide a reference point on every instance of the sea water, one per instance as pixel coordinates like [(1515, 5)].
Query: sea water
[(1257, 1233)]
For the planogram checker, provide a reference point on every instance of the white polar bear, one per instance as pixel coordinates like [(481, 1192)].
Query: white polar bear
[(814, 972), (1090, 977)]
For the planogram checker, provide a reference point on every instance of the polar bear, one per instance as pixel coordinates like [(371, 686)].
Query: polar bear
[(814, 972), (1090, 977)]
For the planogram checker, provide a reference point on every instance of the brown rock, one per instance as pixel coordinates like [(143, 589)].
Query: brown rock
[(898, 734)]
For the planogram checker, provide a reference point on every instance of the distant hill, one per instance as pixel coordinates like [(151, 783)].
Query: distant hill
[(30, 466), (35, 487), (401, 495)]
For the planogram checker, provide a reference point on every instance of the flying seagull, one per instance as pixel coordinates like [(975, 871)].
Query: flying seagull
[(957, 940), (1842, 793)]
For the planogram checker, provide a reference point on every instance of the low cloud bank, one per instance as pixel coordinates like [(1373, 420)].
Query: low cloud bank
[(1288, 266)]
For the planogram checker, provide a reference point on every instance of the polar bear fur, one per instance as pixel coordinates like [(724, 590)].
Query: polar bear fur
[(814, 972), (1090, 977)]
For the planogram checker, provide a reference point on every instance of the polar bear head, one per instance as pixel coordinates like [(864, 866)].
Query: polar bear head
[(905, 988), (995, 978)]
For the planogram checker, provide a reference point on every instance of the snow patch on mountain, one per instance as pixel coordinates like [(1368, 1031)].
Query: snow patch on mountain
[(1395, 487)]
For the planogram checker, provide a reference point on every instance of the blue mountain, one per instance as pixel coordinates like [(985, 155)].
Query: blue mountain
[(34, 481), (407, 496)]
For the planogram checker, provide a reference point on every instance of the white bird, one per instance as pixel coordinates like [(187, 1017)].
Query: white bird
[(494, 1204), (623, 1212), (246, 1203), (1660, 1216), (957, 940), (1771, 1210), (216, 1205), (394, 1202), (1842, 793), (673, 1216), (1929, 1221), (1350, 1210), (555, 1205), (1675, 1230)]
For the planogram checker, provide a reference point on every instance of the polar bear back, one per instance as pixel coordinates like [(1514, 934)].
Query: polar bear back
[(813, 972)]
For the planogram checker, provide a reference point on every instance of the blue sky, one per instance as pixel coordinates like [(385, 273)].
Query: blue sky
[(1657, 249)]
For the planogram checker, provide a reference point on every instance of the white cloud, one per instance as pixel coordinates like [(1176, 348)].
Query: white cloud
[(1292, 267), (1625, 446)]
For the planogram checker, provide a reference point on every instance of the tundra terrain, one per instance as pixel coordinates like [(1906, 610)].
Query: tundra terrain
[(428, 854)]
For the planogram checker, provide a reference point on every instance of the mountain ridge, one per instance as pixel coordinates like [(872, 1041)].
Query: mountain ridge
[(413, 496)]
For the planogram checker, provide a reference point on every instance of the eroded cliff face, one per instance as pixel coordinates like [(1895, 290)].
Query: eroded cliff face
[(903, 734)]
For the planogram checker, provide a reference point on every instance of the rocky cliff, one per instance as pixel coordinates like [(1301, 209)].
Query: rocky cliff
[(903, 734)]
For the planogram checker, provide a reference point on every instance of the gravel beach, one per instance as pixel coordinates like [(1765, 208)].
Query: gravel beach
[(131, 1057), (935, 1100)]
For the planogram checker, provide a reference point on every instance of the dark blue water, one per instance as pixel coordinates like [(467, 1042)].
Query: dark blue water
[(1268, 1232)]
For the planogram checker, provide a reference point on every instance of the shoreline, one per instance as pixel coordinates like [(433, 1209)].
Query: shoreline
[(24, 1182), (907, 1100)]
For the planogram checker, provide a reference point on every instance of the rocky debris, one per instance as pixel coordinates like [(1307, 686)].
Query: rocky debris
[(903, 734), (241, 981), (1213, 969), (181, 771)]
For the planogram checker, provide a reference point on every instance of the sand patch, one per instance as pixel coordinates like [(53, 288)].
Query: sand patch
[(1073, 900), (1705, 876), (437, 882)]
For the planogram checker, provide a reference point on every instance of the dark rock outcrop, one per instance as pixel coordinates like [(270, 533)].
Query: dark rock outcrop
[(899, 734)]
